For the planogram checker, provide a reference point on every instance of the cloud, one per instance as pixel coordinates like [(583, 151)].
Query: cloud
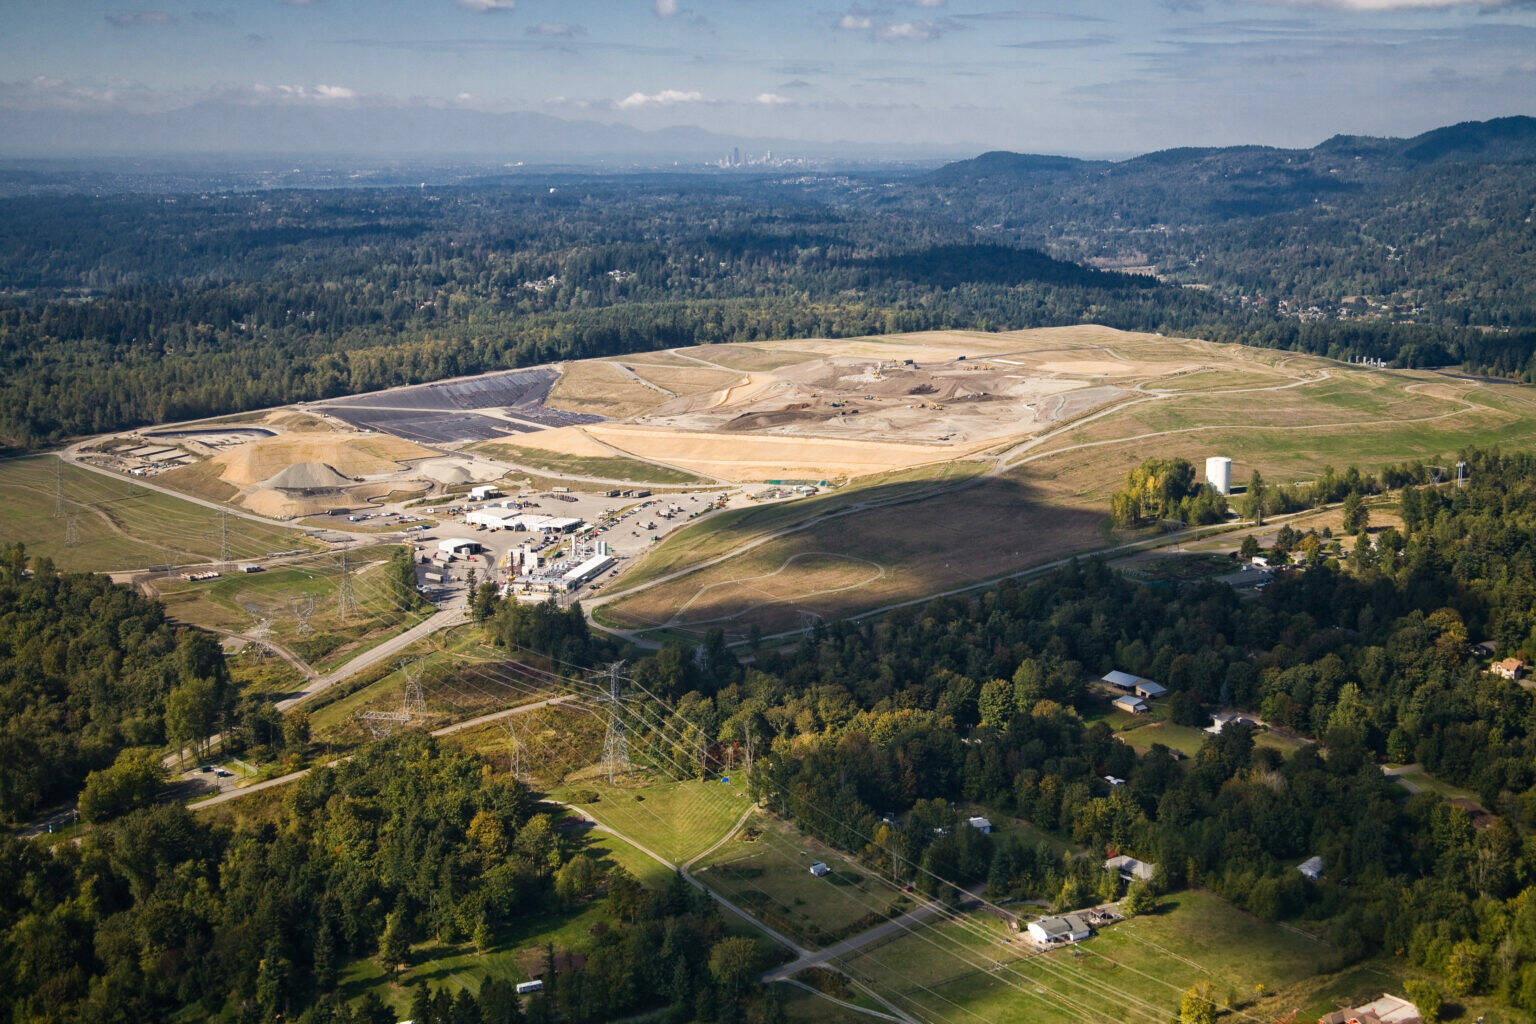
[(139, 19), (771, 99), (665, 98), (863, 19), (303, 93), (488, 6), (555, 30), (666, 8)]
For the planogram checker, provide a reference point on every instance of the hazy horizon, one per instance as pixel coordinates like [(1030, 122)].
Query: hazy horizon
[(915, 77)]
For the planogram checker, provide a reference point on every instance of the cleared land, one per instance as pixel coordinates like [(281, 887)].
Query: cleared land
[(1132, 971), (112, 525), (1043, 495), (603, 467), (299, 606)]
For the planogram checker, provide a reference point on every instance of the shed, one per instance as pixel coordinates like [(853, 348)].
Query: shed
[(1135, 705), (1122, 680), (1312, 867), (1150, 690), (981, 825), (820, 870), (525, 987)]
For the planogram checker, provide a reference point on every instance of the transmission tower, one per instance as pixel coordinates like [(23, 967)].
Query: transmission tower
[(302, 610), (415, 701), (615, 744), (1461, 474), (71, 532), (58, 490), (514, 747), (344, 591), (224, 537)]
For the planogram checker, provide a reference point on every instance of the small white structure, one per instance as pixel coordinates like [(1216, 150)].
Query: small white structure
[(1130, 869), (820, 870), (1054, 931), (525, 987), (458, 546), (1114, 781), (1218, 473), (1133, 705), (1312, 867), (483, 492), (981, 825), (1221, 719)]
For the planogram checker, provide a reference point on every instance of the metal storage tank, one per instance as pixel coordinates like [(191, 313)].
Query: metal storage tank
[(1218, 473)]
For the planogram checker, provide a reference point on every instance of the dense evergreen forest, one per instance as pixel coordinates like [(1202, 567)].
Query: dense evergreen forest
[(160, 914), (124, 309)]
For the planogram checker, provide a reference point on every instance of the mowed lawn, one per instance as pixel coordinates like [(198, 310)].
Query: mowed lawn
[(1130, 972), (117, 524), (766, 870), (677, 820)]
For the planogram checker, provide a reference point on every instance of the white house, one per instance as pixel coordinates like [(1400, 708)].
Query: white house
[(820, 870), (1134, 705), (1052, 931), (1312, 867), (1221, 719), (981, 825)]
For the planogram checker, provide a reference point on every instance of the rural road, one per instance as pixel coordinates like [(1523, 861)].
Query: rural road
[(443, 619), (283, 780)]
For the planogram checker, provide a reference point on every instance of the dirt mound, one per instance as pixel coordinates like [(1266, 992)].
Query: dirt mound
[(307, 476), (447, 472), (351, 455)]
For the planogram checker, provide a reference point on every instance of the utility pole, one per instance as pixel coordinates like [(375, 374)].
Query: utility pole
[(615, 745)]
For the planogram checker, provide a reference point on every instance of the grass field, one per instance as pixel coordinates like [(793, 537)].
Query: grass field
[(1134, 971), (299, 605), (677, 820), (613, 467), (111, 524), (766, 869)]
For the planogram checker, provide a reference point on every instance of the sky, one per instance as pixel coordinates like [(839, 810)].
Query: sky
[(1083, 77)]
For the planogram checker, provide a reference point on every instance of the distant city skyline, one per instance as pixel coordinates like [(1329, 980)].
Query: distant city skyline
[(1096, 76)]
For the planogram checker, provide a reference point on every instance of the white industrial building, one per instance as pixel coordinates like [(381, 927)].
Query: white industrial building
[(592, 567), (1218, 473), (483, 492), (510, 519), (458, 546)]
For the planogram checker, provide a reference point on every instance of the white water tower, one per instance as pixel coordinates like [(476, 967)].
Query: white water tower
[(1218, 473)]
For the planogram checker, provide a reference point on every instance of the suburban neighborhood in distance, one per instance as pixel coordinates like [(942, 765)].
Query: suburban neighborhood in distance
[(658, 512)]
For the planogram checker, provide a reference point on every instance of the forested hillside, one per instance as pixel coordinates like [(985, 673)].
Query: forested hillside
[(123, 309), (162, 916), (86, 669)]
